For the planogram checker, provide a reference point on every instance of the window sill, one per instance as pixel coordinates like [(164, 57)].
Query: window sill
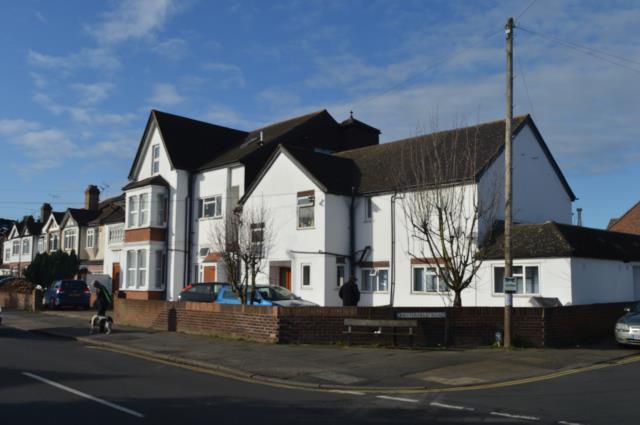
[(306, 287), (429, 293), (210, 218), (502, 294), (374, 292), (305, 228)]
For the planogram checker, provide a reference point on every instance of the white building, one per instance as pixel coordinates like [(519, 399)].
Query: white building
[(187, 176), (310, 196)]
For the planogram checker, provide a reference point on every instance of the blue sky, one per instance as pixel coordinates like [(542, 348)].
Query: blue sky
[(79, 78)]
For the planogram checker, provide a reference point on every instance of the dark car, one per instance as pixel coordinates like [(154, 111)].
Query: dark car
[(201, 292), (67, 293), (7, 279)]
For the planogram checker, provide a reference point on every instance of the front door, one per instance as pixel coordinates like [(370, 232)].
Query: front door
[(115, 277), (209, 273), (285, 277)]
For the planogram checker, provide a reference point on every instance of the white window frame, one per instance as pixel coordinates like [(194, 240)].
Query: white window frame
[(26, 244), (373, 273), (368, 208), (54, 242), (216, 201), (40, 244), (132, 268), (155, 159), (91, 238), (132, 211), (302, 281), (142, 267), (15, 248), (306, 202), (160, 216), (521, 275), (69, 239), (441, 287), (159, 259), (143, 210)]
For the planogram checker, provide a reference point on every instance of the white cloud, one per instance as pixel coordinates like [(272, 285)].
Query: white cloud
[(45, 149), (173, 48), (132, 19), (84, 114), (278, 98), (97, 59), (93, 93), (166, 95), (13, 126), (226, 75)]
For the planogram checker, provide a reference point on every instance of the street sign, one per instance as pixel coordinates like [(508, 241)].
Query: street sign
[(510, 285)]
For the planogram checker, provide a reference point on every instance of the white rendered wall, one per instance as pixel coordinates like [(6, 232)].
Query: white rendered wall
[(601, 281), (277, 191), (538, 194)]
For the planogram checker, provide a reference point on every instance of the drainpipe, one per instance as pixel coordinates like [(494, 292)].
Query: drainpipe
[(393, 249), (188, 227), (352, 234), (166, 242)]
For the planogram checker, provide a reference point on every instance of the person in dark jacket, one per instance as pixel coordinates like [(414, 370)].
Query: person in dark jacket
[(350, 293), (103, 298)]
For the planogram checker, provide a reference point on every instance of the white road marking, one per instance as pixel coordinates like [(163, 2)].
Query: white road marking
[(451, 406), (568, 423), (347, 392), (509, 415), (85, 395), (408, 400)]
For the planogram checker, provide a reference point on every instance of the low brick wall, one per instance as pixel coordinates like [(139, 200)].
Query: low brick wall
[(20, 301), (467, 326), (238, 321)]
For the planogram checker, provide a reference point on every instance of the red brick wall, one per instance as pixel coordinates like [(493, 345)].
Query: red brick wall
[(467, 326)]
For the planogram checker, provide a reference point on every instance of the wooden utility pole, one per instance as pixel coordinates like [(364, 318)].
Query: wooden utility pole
[(508, 223)]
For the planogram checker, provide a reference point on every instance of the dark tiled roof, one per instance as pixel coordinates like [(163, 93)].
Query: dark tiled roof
[(111, 211), (189, 142), (271, 135), (82, 216), (34, 227), (628, 223), (58, 215), (150, 181), (553, 239), (337, 175), (354, 122), (384, 167)]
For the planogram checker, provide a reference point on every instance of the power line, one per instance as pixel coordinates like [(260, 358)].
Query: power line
[(599, 54), (524, 81), (442, 61), (525, 9)]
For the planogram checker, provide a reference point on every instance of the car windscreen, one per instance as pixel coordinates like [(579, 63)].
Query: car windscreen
[(276, 293), (73, 284)]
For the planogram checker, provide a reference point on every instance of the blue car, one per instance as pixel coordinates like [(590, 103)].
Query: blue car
[(67, 293), (227, 296)]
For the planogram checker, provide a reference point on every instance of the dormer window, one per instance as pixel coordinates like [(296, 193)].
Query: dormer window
[(155, 159)]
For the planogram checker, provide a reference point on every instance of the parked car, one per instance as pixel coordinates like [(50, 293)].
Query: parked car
[(67, 293), (201, 292), (282, 297), (7, 279), (627, 329)]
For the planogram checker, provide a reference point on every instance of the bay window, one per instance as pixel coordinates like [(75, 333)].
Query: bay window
[(53, 242), (136, 268), (69, 239), (132, 258), (26, 247), (160, 209), (142, 267), (15, 248), (138, 210), (159, 269), (91, 238), (132, 209)]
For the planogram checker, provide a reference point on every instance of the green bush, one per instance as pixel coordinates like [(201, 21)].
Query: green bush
[(48, 267)]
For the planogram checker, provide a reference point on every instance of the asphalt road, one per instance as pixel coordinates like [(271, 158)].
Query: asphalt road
[(63, 382)]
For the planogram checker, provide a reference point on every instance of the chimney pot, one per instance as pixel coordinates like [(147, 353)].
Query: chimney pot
[(91, 197)]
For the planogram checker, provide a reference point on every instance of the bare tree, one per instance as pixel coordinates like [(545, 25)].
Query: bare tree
[(443, 207), (243, 241)]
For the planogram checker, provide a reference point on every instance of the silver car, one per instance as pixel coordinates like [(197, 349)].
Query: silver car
[(628, 326)]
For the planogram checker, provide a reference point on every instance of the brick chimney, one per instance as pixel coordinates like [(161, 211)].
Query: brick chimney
[(91, 197), (45, 212)]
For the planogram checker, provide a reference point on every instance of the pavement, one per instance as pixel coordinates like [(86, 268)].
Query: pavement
[(332, 367)]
